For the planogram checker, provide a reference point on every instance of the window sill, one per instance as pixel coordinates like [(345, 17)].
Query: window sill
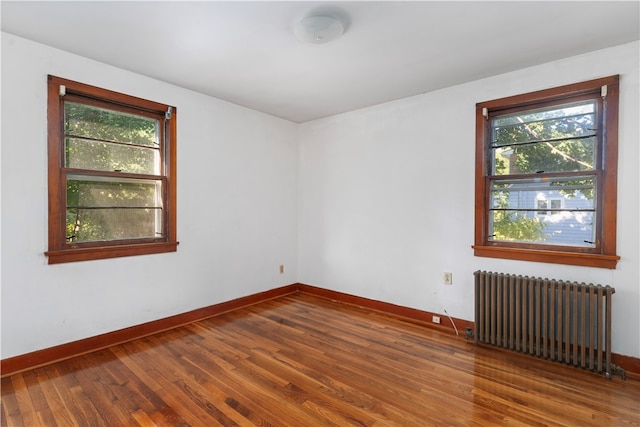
[(105, 252), (554, 257)]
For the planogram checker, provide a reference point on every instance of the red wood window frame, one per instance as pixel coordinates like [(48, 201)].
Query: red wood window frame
[(604, 253), (60, 250)]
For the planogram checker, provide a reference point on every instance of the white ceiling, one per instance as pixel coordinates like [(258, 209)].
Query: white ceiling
[(245, 52)]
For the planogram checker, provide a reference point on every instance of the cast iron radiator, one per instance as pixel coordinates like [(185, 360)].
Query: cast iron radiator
[(558, 320)]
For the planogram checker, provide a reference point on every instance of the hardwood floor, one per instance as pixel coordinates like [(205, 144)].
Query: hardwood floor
[(305, 361)]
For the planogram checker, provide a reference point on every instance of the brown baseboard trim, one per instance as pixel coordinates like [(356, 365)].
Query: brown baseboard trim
[(410, 314), (60, 352), (628, 363)]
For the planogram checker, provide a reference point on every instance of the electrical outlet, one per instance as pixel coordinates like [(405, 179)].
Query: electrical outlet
[(435, 319), (447, 278), (281, 268)]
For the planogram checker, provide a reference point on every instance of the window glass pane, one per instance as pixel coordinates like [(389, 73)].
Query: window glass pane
[(558, 121), (551, 210), (107, 156), (566, 228), (90, 225), (104, 209), (98, 123), (98, 192), (576, 192), (561, 138), (542, 205), (549, 156)]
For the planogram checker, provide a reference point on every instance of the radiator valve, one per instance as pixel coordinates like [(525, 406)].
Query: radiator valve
[(468, 332)]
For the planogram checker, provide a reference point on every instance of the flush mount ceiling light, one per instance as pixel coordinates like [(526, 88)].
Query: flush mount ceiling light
[(318, 29)]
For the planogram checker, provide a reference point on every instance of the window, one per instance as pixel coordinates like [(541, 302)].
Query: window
[(546, 175), (543, 205), (112, 174)]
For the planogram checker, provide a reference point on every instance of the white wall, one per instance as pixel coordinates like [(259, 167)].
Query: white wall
[(377, 203), (237, 183), (386, 196)]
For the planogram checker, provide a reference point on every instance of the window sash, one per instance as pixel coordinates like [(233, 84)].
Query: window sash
[(149, 224), (559, 137), (118, 209)]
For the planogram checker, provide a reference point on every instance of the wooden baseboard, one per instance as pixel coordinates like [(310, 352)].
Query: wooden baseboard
[(50, 355), (60, 352), (628, 363)]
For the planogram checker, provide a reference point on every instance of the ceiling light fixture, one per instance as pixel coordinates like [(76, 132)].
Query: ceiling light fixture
[(318, 29)]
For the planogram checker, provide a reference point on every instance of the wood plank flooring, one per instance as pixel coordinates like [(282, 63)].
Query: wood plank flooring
[(305, 361)]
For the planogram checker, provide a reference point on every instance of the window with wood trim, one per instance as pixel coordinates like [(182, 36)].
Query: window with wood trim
[(112, 174), (546, 175)]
